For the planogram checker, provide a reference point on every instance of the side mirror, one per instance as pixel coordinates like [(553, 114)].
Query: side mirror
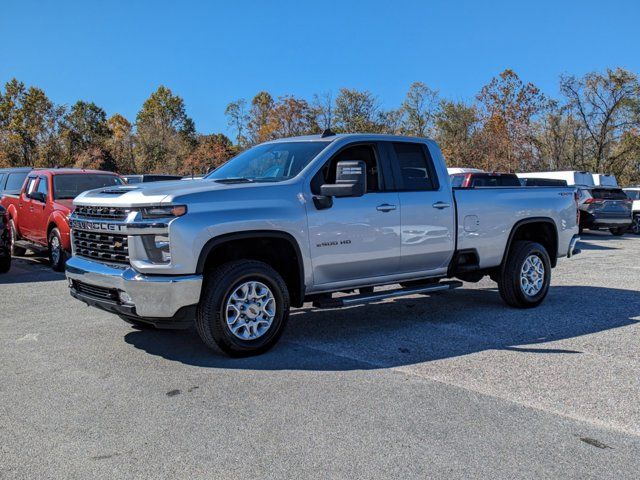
[(39, 196), (351, 180)]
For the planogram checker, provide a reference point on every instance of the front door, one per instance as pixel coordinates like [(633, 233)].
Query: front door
[(355, 238)]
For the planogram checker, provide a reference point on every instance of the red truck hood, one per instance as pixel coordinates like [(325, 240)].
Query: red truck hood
[(66, 204)]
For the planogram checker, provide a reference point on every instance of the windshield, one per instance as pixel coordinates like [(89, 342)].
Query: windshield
[(269, 162), (70, 186)]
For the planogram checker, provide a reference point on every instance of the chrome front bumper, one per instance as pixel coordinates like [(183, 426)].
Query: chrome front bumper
[(150, 296)]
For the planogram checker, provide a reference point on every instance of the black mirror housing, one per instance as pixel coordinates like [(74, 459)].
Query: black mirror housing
[(351, 180)]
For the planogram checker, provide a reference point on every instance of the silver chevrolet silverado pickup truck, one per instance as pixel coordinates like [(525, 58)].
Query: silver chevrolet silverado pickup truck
[(301, 219)]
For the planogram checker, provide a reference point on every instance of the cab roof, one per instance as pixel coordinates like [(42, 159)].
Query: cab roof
[(72, 171)]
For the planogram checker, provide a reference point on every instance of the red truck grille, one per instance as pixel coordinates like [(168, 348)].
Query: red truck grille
[(100, 246)]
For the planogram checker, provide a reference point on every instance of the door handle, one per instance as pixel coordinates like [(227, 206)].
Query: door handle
[(385, 207), (441, 205)]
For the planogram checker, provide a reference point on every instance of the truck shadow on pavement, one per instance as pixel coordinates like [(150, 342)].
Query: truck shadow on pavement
[(30, 269), (414, 330)]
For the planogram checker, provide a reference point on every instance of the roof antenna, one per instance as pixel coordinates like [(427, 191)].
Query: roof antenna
[(327, 133)]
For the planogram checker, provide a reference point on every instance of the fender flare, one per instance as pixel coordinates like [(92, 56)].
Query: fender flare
[(254, 234), (548, 220)]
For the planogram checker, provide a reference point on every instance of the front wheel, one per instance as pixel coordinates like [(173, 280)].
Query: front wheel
[(618, 232), (57, 255), (635, 226), (243, 309), (525, 277), (5, 261)]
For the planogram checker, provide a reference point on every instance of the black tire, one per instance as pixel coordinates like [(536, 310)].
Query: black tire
[(509, 283), (220, 284), (635, 226), (618, 232), (57, 255), (5, 261), (15, 250)]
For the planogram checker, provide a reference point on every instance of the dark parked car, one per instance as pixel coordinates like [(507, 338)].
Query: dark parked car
[(602, 208), (5, 241), (150, 178), (11, 179), (484, 179)]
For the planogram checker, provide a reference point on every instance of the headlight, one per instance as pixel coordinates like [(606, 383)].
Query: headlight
[(164, 212), (157, 248)]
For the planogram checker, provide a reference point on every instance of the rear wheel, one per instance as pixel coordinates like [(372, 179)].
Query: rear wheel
[(618, 232), (57, 255), (524, 279), (243, 309), (15, 250), (635, 226)]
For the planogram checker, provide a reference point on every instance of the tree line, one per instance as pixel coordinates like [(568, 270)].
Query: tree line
[(509, 125)]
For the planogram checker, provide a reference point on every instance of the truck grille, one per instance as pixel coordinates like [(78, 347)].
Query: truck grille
[(101, 213), (94, 291), (100, 246)]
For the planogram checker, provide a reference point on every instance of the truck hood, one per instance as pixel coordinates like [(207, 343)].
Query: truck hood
[(154, 193)]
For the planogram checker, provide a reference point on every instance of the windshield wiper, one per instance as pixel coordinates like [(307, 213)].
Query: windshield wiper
[(234, 180)]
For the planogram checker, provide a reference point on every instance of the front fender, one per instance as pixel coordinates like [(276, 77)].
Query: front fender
[(61, 222)]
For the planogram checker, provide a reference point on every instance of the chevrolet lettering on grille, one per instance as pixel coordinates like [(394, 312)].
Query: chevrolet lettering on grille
[(97, 226)]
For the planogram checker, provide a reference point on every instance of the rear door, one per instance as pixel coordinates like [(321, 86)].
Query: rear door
[(356, 238), (427, 211)]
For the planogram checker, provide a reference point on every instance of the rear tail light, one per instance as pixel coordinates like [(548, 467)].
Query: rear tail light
[(595, 201)]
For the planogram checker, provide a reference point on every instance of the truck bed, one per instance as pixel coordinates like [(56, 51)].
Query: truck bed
[(486, 216)]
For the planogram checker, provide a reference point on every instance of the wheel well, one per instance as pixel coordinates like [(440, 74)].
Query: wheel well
[(279, 251), (542, 231), (51, 226)]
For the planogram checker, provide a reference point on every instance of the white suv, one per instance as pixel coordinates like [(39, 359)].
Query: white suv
[(634, 194)]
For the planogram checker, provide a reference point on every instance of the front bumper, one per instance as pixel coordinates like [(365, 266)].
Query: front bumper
[(151, 297)]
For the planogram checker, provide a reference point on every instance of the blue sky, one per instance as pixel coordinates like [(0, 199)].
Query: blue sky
[(116, 53)]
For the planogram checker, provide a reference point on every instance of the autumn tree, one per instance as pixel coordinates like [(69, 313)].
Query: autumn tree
[(260, 127), (607, 109), (211, 152), (166, 135), (237, 119), (85, 127), (419, 110), (28, 121), (322, 106), (508, 109), (456, 130), (121, 143), (356, 111)]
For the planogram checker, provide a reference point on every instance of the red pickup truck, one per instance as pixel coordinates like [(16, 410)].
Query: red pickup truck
[(39, 214)]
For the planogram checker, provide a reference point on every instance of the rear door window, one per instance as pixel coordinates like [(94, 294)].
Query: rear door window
[(415, 167)]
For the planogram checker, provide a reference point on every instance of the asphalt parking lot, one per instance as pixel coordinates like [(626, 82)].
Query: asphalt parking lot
[(452, 386)]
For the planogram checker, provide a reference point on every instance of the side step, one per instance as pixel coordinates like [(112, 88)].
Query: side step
[(329, 302)]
